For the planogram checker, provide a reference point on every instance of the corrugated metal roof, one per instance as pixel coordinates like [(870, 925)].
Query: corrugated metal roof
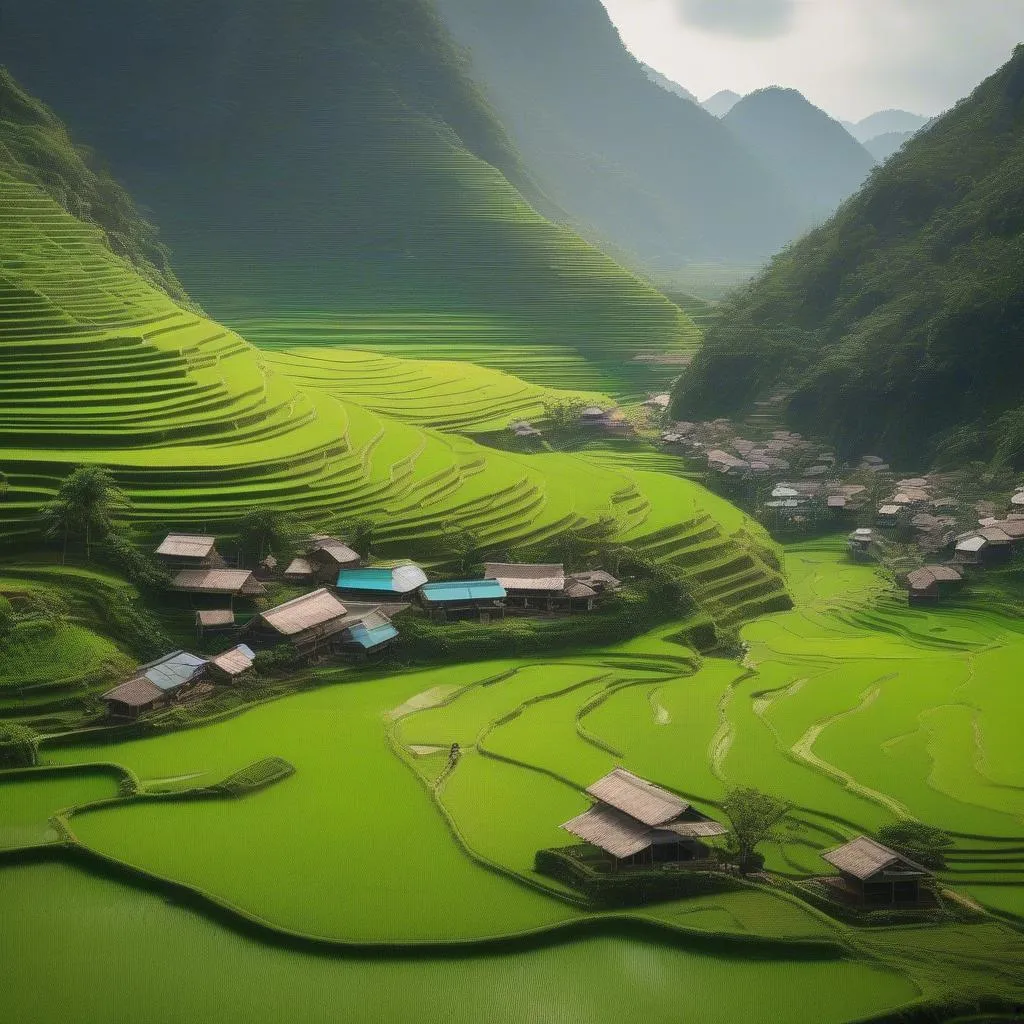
[(468, 590), (186, 545), (526, 575), (863, 858), (637, 797), (371, 638), (972, 544), (402, 579), (173, 670)]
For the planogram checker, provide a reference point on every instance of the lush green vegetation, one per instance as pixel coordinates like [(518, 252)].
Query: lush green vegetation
[(898, 322)]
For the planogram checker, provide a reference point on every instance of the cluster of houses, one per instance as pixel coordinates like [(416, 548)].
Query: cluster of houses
[(349, 613), (592, 418), (639, 825)]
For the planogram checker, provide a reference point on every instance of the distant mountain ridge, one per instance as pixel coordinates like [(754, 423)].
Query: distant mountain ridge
[(812, 153), (667, 84), (900, 323), (721, 103), (885, 122)]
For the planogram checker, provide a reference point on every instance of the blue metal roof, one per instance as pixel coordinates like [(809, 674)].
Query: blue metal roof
[(173, 670), (464, 590), (371, 638), (402, 579)]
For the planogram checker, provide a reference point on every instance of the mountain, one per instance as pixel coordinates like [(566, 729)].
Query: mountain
[(35, 143), (881, 147), (722, 102), (327, 155), (667, 84), (900, 322), (884, 122), (636, 168), (809, 151)]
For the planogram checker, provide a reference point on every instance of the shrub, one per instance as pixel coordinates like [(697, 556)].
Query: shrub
[(6, 616), (19, 746), (923, 843)]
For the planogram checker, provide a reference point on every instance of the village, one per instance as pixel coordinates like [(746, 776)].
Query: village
[(348, 614)]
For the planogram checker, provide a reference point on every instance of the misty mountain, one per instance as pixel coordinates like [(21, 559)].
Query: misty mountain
[(721, 103), (637, 168), (667, 84), (324, 154), (881, 147), (813, 154), (900, 322), (885, 122)]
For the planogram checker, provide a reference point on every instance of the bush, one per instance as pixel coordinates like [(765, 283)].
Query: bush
[(6, 616), (923, 843), (19, 746)]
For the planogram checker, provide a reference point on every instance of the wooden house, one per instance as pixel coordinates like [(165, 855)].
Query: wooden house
[(232, 665), (872, 875), (299, 570), (483, 600), (970, 549), (172, 678), (230, 583), (372, 634), (189, 551), (926, 584), (546, 586), (214, 620), (310, 622), (267, 568), (398, 583), (639, 824), (327, 556)]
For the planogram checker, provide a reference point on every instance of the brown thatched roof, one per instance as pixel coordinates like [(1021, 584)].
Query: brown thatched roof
[(944, 573), (921, 579), (186, 545), (136, 693), (235, 662), (304, 613), (218, 581), (215, 617), (638, 798), (577, 590), (333, 550), (526, 576), (611, 830), (864, 858), (299, 568)]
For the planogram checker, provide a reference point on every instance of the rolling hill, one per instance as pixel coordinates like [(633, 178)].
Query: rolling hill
[(817, 159), (900, 322), (884, 122), (636, 168), (327, 156), (722, 102)]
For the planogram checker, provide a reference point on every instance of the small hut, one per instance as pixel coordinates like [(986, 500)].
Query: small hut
[(859, 542), (189, 551), (398, 583), (232, 665), (310, 622), (529, 585), (373, 634), (639, 824), (482, 600), (327, 556), (214, 620), (230, 583), (926, 584), (169, 679), (267, 568), (299, 570), (970, 548), (872, 875)]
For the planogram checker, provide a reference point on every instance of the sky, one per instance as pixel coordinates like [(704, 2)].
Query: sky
[(850, 57)]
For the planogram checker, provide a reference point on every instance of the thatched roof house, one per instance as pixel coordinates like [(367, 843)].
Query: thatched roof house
[(873, 875), (636, 822), (299, 570), (925, 584), (233, 664), (226, 582), (189, 551), (546, 585), (214, 619), (526, 577), (327, 556)]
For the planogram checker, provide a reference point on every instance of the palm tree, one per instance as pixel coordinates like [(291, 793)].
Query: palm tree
[(85, 506)]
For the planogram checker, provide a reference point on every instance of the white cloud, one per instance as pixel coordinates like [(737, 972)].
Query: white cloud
[(745, 18)]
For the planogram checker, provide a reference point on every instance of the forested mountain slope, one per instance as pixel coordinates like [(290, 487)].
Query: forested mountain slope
[(634, 165), (817, 158), (901, 321), (325, 154)]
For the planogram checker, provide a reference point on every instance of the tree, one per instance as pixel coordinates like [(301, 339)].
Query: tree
[(7, 616), (265, 530), (85, 507), (19, 745), (564, 412), (923, 843), (754, 816), (464, 546), (359, 535)]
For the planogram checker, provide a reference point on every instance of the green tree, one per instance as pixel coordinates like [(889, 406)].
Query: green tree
[(564, 412), (19, 745), (263, 531), (464, 547), (754, 817), (86, 507), (359, 535), (923, 843)]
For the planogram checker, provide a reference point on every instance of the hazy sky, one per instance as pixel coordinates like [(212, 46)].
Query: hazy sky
[(851, 57)]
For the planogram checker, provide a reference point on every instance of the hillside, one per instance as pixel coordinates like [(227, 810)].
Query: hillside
[(884, 122), (99, 366), (635, 167), (817, 159), (35, 143), (667, 84), (722, 102), (340, 160), (901, 321), (881, 147)]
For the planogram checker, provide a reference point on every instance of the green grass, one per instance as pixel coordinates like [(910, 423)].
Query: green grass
[(200, 971)]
